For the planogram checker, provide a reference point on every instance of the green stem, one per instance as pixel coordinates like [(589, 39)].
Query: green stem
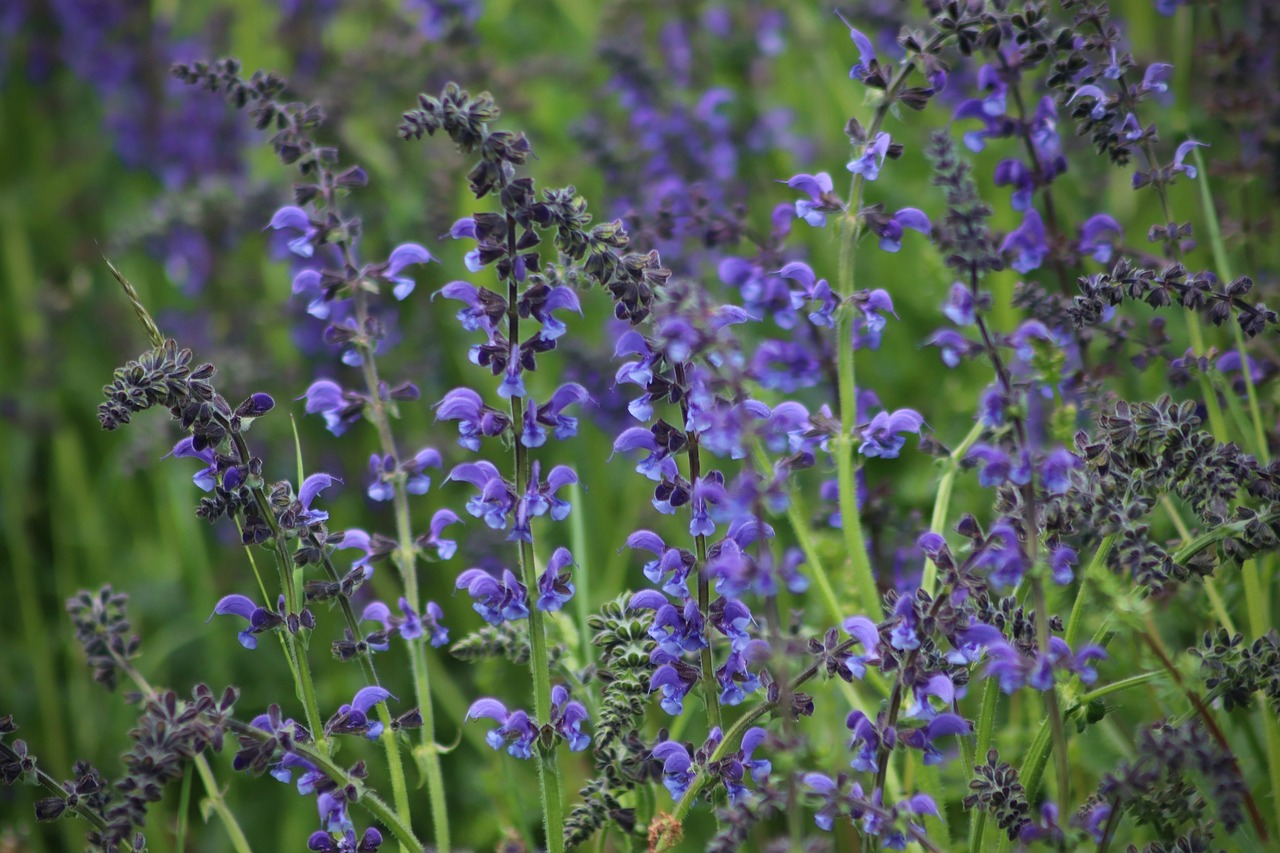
[(710, 688), (405, 558), (850, 230), (549, 781), (1224, 270), (582, 600), (1051, 695), (986, 726), (1096, 565), (1117, 686), (942, 503), (539, 662), (238, 840), (850, 520)]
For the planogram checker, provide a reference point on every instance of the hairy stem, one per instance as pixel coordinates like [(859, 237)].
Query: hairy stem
[(539, 661)]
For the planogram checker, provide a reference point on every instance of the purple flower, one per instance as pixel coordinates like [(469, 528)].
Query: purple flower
[(904, 636), (883, 436), (260, 619), (1002, 553), (445, 548), (539, 301), (495, 601), (484, 309), (475, 419), (567, 717), (995, 102), (996, 466), (676, 631), (322, 841), (677, 767), (410, 626), (1181, 154), (516, 731), (555, 587), (354, 717), (960, 305), (1013, 172), (1092, 240), (494, 499), (865, 632), (340, 408), (1054, 471), (1131, 129), (865, 742), (991, 406), (952, 346), (296, 219), (658, 465), (1061, 559), (821, 200), (550, 415), (381, 471), (307, 492), (976, 140), (870, 162), (872, 303), (639, 372), (206, 478), (1027, 243), (939, 686), (540, 499), (1099, 109), (1157, 77), (512, 384), (942, 725), (890, 230), (389, 271), (416, 482), (675, 679), (670, 561), (866, 53)]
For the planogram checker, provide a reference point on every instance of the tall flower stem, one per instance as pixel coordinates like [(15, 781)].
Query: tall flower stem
[(297, 660), (709, 686), (405, 558), (846, 368), (539, 661)]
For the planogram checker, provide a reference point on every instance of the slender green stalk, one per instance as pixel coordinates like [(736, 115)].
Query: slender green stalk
[(850, 520), (549, 781), (1051, 695), (582, 600), (1224, 270), (842, 445), (539, 661), (405, 559), (942, 502), (710, 688), (212, 793), (1091, 572), (986, 726)]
